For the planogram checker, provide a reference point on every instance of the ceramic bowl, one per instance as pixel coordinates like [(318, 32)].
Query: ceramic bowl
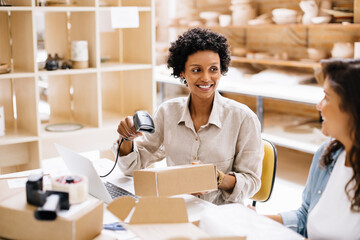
[(342, 50), (321, 19), (284, 13), (316, 54)]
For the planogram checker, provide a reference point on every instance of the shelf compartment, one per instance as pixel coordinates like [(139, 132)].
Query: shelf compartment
[(295, 132), (19, 108), (125, 92), (21, 52), (125, 3), (74, 3), (61, 28), (130, 45), (19, 157), (20, 3), (73, 99)]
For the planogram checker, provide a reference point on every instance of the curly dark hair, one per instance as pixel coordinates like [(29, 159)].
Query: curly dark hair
[(343, 77), (194, 40)]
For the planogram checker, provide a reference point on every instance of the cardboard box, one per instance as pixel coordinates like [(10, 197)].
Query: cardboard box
[(155, 218), (182, 179), (17, 221)]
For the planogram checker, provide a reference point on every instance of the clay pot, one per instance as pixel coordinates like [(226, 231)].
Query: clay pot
[(343, 50)]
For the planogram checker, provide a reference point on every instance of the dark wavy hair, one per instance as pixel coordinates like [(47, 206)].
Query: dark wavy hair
[(194, 40), (344, 79)]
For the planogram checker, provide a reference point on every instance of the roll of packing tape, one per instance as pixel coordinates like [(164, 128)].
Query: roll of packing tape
[(75, 185)]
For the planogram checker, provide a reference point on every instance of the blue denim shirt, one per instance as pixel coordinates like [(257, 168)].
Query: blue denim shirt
[(315, 186)]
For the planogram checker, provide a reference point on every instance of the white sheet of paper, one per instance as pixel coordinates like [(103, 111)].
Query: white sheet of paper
[(21, 182), (105, 22), (167, 231), (125, 17)]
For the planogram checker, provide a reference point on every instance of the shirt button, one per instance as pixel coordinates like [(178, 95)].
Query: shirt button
[(194, 157), (319, 192), (196, 139)]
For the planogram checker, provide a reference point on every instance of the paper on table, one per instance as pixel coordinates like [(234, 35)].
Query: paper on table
[(125, 17), (167, 231), (21, 182), (237, 220)]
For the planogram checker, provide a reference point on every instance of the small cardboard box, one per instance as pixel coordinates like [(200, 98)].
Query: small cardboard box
[(17, 221), (168, 181), (155, 218)]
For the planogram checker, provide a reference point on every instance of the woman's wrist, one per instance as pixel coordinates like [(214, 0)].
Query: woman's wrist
[(126, 147), (220, 177)]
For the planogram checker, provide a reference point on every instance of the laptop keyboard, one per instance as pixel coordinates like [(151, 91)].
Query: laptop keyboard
[(116, 191)]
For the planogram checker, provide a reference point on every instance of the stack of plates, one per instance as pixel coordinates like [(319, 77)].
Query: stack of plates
[(340, 14), (284, 16)]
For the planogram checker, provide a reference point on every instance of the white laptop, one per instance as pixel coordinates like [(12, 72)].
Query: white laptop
[(78, 164)]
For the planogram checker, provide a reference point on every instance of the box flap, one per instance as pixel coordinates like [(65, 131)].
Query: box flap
[(121, 207), (150, 210), (160, 210)]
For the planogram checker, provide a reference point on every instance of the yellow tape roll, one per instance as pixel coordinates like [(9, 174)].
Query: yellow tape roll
[(75, 185)]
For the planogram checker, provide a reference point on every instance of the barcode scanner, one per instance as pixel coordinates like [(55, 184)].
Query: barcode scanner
[(143, 123)]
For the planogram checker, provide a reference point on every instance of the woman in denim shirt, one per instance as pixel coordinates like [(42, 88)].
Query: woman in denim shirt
[(331, 199)]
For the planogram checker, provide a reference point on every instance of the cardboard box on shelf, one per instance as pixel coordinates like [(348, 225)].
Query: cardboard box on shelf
[(175, 180), (17, 221), (155, 217)]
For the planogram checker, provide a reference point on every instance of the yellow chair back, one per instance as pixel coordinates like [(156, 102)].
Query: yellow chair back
[(268, 173)]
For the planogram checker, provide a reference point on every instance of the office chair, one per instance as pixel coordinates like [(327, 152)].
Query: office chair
[(268, 173)]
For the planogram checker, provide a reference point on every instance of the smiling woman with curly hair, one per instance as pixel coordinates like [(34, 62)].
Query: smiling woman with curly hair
[(198, 40), (204, 127)]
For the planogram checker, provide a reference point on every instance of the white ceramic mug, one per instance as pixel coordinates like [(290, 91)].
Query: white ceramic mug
[(224, 20), (79, 54), (343, 50), (79, 51), (357, 50)]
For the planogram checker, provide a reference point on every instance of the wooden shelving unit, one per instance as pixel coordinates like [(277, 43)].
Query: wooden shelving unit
[(275, 62), (95, 97)]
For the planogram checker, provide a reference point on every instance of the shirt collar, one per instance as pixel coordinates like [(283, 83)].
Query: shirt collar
[(215, 114)]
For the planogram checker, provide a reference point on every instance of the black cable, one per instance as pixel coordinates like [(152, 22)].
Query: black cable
[(117, 157)]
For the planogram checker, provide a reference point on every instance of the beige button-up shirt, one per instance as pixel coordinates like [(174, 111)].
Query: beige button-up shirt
[(231, 140)]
